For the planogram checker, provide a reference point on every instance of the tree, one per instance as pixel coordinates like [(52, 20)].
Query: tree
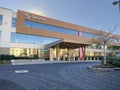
[(105, 38)]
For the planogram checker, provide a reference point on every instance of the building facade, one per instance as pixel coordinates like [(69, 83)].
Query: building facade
[(24, 34)]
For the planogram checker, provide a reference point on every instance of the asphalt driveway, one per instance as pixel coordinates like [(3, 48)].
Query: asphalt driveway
[(64, 76)]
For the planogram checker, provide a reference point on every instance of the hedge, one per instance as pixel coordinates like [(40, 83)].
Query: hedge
[(6, 57), (9, 57)]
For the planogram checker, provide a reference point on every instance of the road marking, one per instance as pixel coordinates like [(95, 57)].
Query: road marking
[(21, 71)]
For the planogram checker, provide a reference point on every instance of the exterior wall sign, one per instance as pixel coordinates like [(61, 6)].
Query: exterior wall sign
[(29, 16)]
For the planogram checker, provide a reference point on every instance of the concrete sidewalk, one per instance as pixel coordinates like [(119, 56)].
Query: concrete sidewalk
[(25, 62)]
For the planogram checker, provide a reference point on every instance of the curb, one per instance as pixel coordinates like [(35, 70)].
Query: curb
[(104, 69)]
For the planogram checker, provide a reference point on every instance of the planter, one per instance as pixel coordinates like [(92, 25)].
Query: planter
[(105, 69)]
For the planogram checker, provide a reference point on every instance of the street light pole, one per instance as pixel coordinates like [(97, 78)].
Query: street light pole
[(117, 2), (119, 6)]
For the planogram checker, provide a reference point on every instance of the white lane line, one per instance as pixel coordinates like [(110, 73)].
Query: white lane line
[(21, 71)]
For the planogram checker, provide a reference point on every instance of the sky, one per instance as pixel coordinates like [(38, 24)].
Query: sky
[(97, 14)]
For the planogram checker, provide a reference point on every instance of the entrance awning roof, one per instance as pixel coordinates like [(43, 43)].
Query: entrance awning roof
[(65, 43)]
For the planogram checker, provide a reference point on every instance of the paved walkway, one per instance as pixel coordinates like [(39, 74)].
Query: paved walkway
[(27, 61), (65, 76)]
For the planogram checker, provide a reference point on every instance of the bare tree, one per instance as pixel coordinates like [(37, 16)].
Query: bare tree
[(104, 38)]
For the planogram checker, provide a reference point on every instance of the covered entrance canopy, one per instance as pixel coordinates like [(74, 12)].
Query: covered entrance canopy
[(65, 43), (62, 49)]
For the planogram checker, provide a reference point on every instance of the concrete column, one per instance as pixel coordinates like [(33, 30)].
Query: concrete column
[(80, 49), (84, 49), (74, 57), (57, 53), (68, 54), (51, 54)]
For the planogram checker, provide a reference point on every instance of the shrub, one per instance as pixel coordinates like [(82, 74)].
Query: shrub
[(9, 57), (116, 62), (5, 62), (113, 61), (100, 57), (5, 59)]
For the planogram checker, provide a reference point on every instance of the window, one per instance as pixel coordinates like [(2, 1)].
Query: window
[(0, 35), (96, 36), (30, 39), (13, 22), (49, 27), (1, 18), (113, 40), (27, 52), (88, 35)]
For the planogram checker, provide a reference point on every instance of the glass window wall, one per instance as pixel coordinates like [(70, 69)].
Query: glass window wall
[(30, 39), (31, 24), (96, 36), (113, 40), (89, 35), (1, 18), (27, 52)]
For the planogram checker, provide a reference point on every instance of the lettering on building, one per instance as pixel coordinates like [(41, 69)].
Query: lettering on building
[(29, 16)]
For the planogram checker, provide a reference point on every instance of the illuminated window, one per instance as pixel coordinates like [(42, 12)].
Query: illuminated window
[(27, 52)]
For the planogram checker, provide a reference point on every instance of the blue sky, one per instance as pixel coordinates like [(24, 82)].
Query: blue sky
[(98, 14)]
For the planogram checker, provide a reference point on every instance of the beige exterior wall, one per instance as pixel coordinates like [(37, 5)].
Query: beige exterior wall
[(4, 50), (40, 32), (21, 16)]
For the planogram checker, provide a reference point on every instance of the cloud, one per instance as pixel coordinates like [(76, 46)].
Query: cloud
[(38, 12)]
